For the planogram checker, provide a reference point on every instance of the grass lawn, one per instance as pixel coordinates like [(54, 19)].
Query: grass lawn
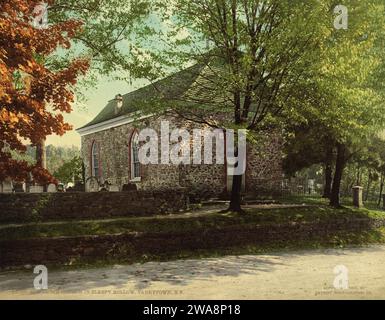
[(307, 210), (371, 208), (316, 209)]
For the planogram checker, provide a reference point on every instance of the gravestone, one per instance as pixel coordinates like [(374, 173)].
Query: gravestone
[(113, 188), (36, 189), (311, 186), (51, 188), (92, 185), (19, 187), (7, 186)]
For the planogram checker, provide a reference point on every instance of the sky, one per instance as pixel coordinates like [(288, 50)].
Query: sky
[(97, 99)]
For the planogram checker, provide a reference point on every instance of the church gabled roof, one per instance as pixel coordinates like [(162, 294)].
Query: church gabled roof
[(171, 87)]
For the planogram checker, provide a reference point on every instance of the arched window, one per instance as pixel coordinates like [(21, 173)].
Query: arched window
[(135, 164), (95, 165)]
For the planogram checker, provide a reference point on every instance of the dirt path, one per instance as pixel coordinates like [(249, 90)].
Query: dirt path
[(295, 275)]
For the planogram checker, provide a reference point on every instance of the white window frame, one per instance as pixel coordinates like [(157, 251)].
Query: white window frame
[(95, 153)]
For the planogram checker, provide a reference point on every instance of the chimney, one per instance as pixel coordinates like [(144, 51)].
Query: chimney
[(119, 103)]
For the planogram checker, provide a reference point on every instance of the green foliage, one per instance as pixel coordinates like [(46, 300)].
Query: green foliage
[(70, 171), (256, 57), (113, 33), (305, 145), (57, 156), (253, 217), (348, 82), (28, 156), (264, 64)]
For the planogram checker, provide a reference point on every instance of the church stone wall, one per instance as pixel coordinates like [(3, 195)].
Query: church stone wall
[(263, 173)]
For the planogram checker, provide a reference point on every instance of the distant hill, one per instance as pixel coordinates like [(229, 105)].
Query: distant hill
[(56, 156)]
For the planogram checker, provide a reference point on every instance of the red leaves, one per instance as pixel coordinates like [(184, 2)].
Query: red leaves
[(22, 171), (33, 112), (42, 176)]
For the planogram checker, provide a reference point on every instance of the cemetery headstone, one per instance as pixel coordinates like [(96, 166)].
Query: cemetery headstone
[(51, 188), (19, 187), (113, 188), (36, 189), (92, 185), (7, 186)]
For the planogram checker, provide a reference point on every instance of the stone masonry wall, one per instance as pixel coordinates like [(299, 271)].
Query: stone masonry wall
[(19, 207), (114, 158), (264, 172), (132, 247), (263, 175)]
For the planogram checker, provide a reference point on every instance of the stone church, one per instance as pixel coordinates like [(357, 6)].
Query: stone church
[(109, 146)]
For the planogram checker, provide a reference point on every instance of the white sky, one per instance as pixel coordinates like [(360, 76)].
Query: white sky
[(97, 98)]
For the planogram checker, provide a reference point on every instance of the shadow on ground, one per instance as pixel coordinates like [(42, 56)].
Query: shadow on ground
[(141, 276)]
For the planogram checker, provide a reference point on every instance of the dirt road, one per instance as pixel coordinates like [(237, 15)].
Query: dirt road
[(294, 275)]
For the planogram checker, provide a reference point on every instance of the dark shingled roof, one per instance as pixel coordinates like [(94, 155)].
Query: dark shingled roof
[(169, 88)]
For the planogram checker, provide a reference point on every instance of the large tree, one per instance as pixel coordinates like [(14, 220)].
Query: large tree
[(350, 82), (110, 33), (308, 144), (114, 36), (33, 97), (346, 93), (255, 56)]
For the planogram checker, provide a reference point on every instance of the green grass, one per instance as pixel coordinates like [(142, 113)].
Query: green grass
[(314, 209), (318, 211), (304, 199), (342, 240), (370, 207)]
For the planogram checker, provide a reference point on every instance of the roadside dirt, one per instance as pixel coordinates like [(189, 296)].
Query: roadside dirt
[(295, 275)]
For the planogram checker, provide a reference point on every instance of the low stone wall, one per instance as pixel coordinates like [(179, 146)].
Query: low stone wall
[(131, 247), (19, 208)]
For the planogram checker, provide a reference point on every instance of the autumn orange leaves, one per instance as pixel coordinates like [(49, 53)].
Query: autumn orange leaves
[(32, 108)]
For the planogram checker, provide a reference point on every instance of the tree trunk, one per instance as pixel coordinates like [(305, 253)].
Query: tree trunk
[(358, 180), (235, 199), (381, 188), (335, 200), (349, 187), (328, 173), (368, 187), (41, 155)]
